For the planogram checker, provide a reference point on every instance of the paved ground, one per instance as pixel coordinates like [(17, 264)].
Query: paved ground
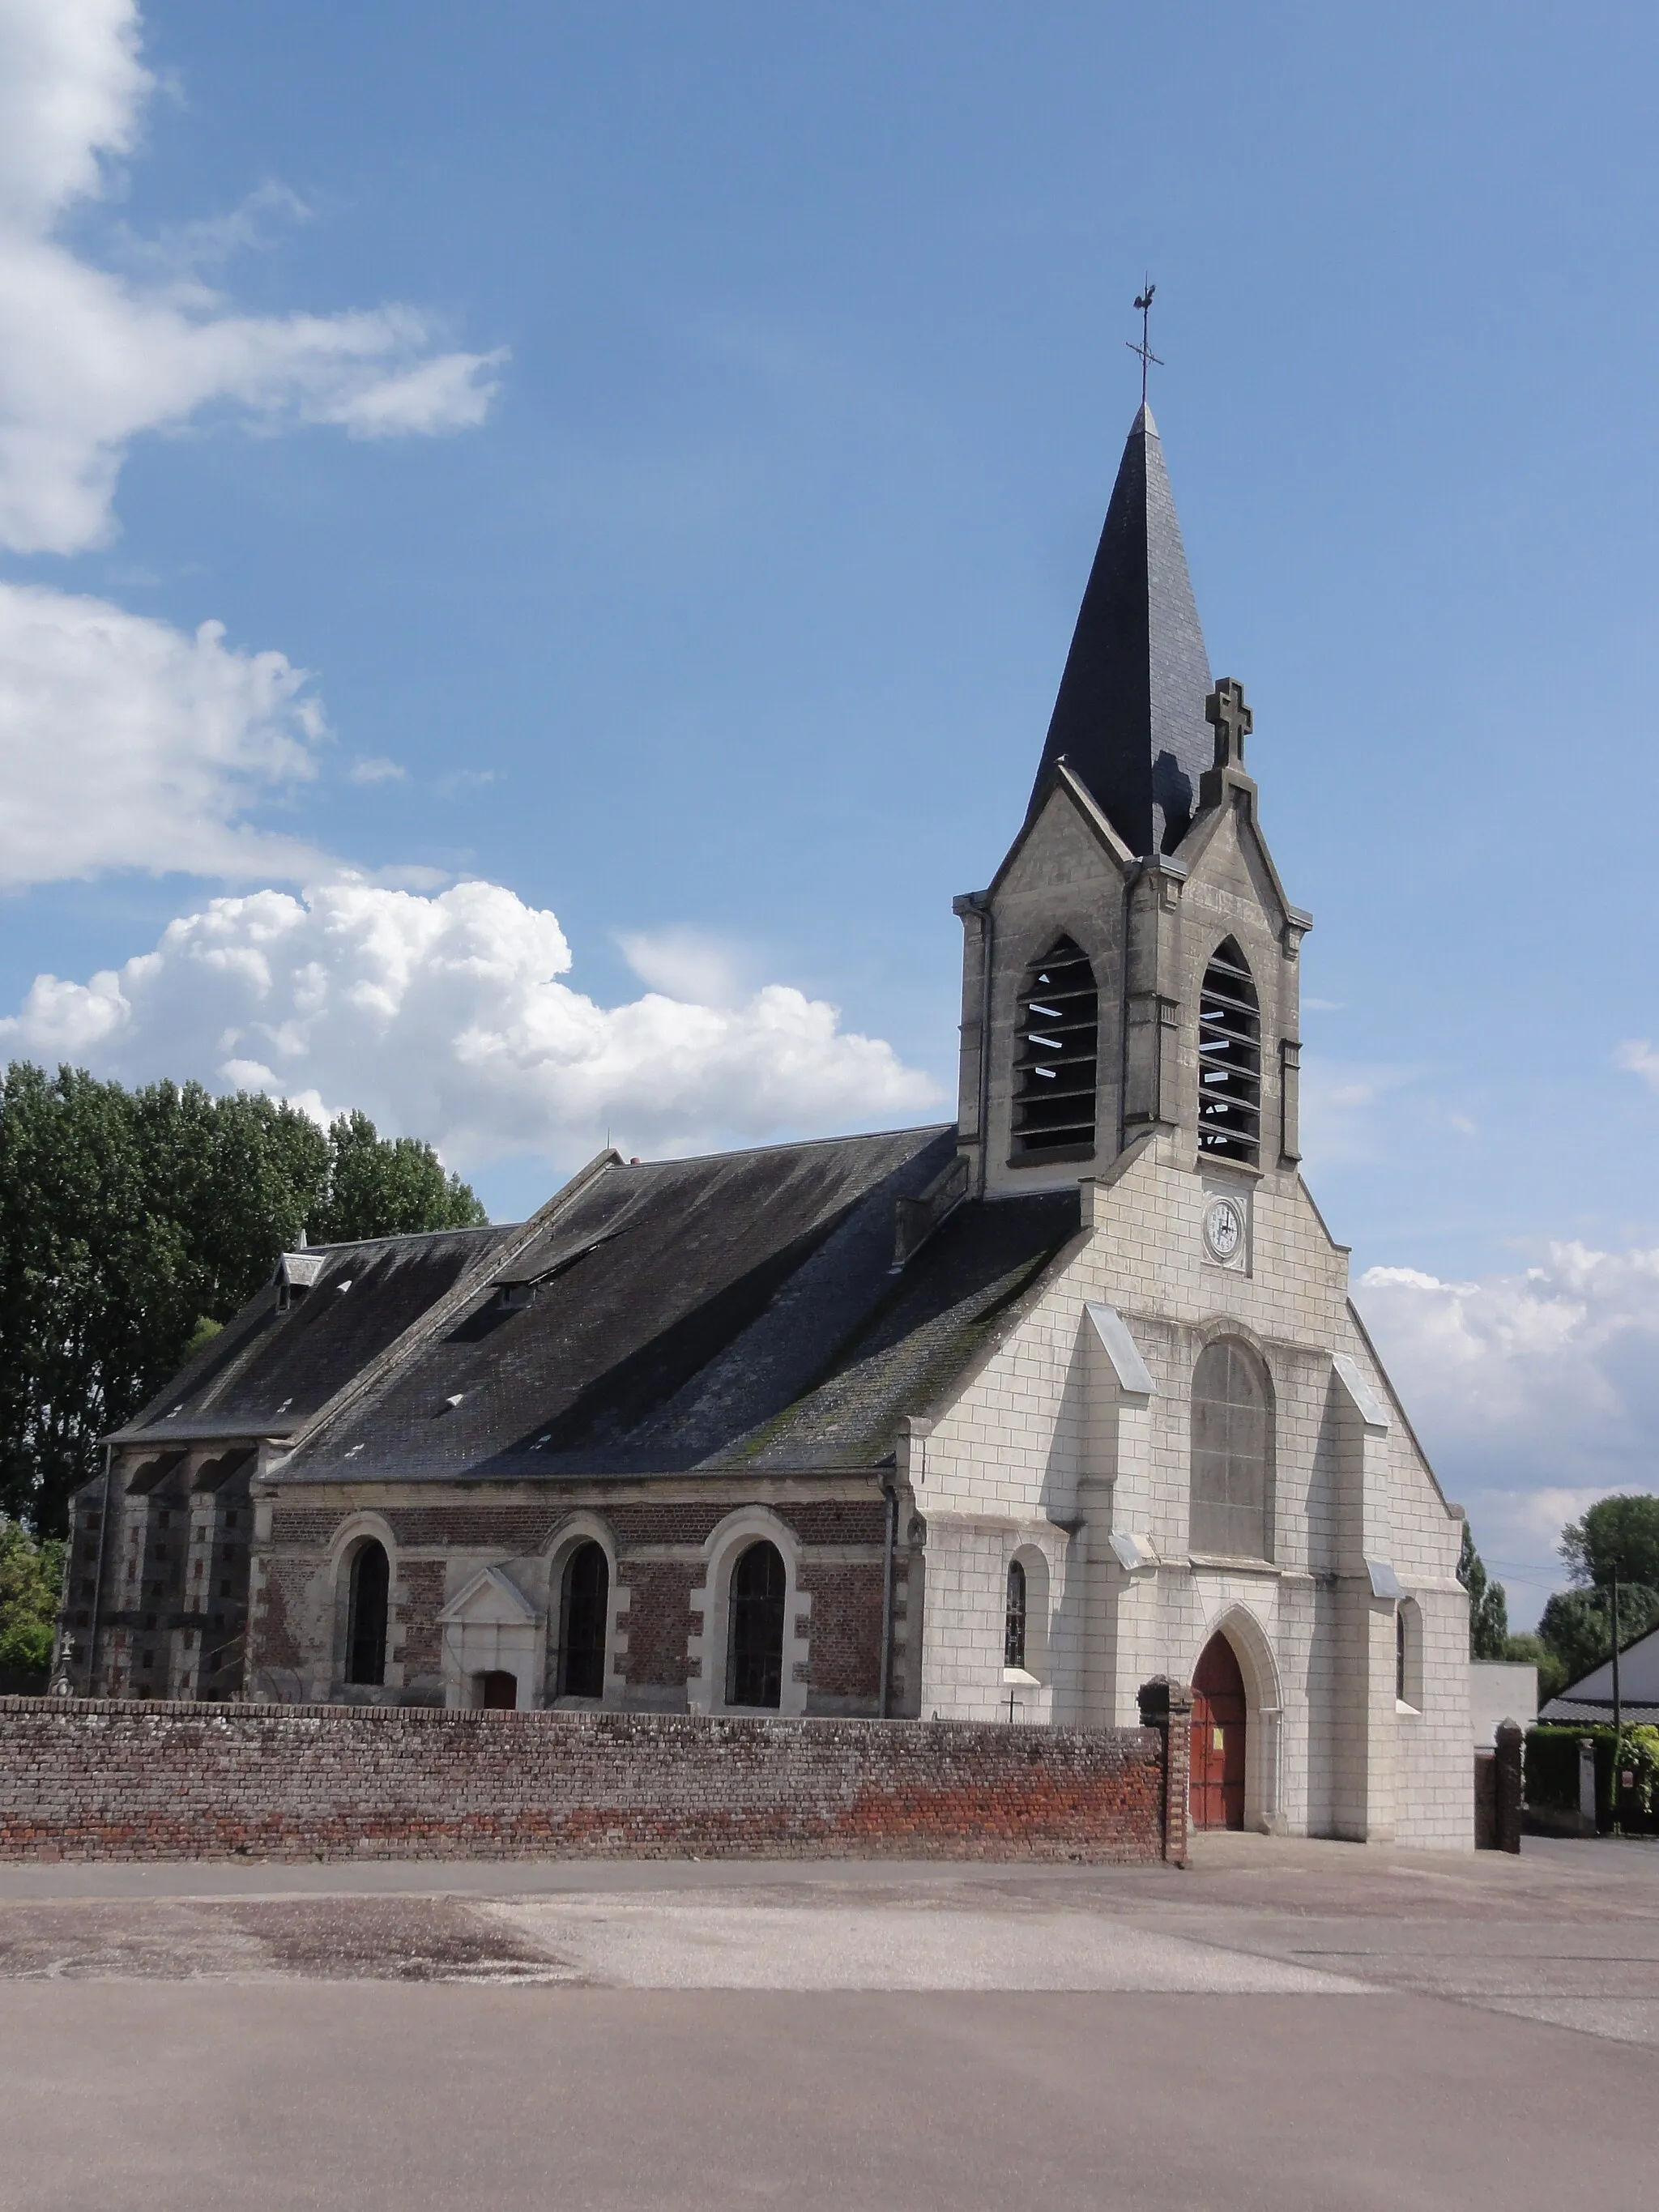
[(1286, 2025)]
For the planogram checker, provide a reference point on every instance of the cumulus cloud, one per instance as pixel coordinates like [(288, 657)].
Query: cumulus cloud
[(130, 744), (445, 1016), (1638, 1057), (1535, 1392), (91, 357), (686, 963)]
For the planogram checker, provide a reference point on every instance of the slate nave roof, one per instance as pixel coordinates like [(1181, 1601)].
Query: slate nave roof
[(737, 1311)]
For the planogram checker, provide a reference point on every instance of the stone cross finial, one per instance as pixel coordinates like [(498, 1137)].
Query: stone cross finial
[(1231, 720)]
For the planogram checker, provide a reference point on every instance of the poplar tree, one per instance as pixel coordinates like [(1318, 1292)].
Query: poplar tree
[(134, 1222)]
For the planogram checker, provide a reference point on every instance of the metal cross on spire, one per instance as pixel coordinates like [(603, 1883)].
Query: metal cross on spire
[(1148, 358)]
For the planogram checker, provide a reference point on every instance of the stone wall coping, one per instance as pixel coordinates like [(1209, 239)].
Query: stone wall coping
[(225, 1711)]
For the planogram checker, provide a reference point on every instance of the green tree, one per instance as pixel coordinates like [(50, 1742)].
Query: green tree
[(1576, 1626), (1618, 1536), (387, 1187), (1489, 1605), (132, 1220), (1532, 1651), (31, 1573)]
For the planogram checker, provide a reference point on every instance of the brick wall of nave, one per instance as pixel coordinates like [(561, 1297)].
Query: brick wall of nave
[(662, 1550)]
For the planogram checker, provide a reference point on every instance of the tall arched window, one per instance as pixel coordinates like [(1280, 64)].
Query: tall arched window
[(1055, 1052), (371, 1584), (1408, 1654), (1232, 1441), (1013, 1633), (584, 1602), (1228, 1058), (754, 1671)]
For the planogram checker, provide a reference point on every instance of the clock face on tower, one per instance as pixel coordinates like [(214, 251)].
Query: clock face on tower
[(1223, 1228)]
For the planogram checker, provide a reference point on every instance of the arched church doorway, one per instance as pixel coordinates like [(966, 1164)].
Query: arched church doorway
[(1217, 1795)]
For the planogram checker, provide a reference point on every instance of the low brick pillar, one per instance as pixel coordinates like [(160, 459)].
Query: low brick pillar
[(1167, 1706), (1506, 1761)]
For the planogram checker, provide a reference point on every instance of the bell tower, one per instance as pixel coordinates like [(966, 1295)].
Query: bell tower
[(1133, 968)]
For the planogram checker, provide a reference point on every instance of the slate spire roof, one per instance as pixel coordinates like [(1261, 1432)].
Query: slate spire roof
[(1129, 719)]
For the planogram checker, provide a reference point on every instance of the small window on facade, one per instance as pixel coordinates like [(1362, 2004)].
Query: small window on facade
[(1013, 1634), (371, 1582), (755, 1666), (1408, 1654), (586, 1602), (1231, 1451), (1228, 1059), (1056, 1042)]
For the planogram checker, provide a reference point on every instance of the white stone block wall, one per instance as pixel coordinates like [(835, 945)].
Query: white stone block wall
[(1037, 1437)]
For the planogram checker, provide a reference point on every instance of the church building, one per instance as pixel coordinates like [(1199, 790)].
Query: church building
[(992, 1421)]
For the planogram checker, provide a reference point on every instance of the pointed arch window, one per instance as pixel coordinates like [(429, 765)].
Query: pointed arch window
[(1013, 1627), (371, 1584), (1057, 1040), (1228, 1058), (586, 1595), (754, 1654), (1232, 1452)]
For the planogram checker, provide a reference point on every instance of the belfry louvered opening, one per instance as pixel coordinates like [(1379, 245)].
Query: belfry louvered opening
[(1228, 1058), (1057, 1043)]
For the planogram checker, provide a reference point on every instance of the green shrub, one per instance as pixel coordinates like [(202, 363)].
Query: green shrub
[(1551, 1767)]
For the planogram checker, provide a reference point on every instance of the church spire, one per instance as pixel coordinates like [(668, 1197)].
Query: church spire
[(1129, 718)]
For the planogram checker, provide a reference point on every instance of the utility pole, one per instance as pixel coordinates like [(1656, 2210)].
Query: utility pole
[(1618, 1702)]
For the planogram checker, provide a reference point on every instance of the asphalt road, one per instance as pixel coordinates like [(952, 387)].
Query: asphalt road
[(1286, 2026)]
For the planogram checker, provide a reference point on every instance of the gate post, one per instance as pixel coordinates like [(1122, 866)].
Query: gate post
[(1167, 1706), (1507, 1744), (1586, 1785)]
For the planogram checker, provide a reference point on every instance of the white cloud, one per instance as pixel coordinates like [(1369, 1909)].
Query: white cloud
[(377, 770), (91, 358), (130, 744), (1638, 1057), (1534, 1392), (443, 1017), (686, 963)]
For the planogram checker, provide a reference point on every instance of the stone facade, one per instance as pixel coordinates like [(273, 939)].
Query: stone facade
[(1051, 1450)]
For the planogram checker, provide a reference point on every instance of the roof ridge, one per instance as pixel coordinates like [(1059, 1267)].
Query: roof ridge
[(792, 1145)]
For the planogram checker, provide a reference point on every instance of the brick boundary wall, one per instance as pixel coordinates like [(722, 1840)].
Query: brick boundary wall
[(109, 1778)]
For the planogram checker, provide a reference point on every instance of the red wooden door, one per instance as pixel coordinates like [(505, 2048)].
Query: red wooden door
[(501, 1691), (1218, 1778)]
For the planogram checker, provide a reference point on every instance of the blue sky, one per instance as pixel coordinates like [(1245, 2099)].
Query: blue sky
[(671, 441)]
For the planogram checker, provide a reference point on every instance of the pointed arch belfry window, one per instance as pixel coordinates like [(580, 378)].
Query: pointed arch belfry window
[(1056, 1044), (1228, 1058)]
